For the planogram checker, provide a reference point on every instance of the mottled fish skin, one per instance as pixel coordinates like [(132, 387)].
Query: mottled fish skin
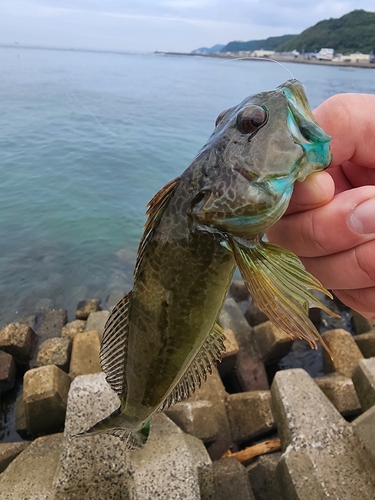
[(239, 184)]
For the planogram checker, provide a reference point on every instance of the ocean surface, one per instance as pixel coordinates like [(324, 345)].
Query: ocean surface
[(87, 138)]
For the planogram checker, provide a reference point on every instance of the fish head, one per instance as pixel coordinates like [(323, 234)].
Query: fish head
[(255, 154)]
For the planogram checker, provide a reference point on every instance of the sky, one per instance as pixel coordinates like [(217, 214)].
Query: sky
[(165, 25)]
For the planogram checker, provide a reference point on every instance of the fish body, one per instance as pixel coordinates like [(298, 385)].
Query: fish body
[(162, 340)]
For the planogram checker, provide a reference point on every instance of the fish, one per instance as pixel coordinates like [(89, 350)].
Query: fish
[(162, 340)]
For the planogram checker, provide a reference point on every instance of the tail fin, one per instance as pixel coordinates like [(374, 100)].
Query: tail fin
[(115, 426)]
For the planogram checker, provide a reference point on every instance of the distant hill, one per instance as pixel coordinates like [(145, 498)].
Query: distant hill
[(353, 32), (206, 50), (268, 44)]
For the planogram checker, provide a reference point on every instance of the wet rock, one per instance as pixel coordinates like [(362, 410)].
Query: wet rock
[(255, 316), (30, 475), (45, 395), (113, 298), (213, 391), (230, 480), (55, 352), (97, 320), (322, 458), (249, 415), (167, 467), (7, 371), (44, 305), (262, 476), (273, 344), (86, 307), (345, 352), (18, 340), (198, 418), (28, 320), (366, 343), (8, 452), (229, 357), (238, 291), (341, 392), (361, 324), (250, 370), (364, 428), (71, 329), (364, 382), (85, 354), (51, 324)]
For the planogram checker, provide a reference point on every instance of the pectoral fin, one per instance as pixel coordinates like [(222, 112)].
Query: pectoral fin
[(280, 287)]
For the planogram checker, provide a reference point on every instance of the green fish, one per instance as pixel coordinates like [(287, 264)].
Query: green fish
[(162, 340)]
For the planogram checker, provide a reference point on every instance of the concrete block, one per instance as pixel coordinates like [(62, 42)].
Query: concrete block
[(364, 428), (7, 371), (50, 324), (169, 466), (249, 415), (85, 354), (255, 316), (198, 418), (45, 395), (322, 457), (55, 351), (366, 343), (30, 475), (70, 329), (345, 352), (229, 357), (86, 307), (213, 391), (231, 481), (8, 452), (262, 476), (341, 392), (18, 340), (364, 382), (97, 320), (273, 343), (20, 419), (250, 370), (361, 324), (238, 291)]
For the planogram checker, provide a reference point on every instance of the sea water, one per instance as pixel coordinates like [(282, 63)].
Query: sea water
[(87, 138)]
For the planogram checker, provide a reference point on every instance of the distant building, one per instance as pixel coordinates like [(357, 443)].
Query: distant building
[(325, 54), (356, 57), (263, 53)]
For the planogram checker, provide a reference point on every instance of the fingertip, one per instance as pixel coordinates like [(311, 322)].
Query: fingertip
[(317, 190)]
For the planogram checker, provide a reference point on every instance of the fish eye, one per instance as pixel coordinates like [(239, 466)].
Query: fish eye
[(251, 118)]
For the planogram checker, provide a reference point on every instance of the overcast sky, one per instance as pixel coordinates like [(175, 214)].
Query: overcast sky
[(147, 25)]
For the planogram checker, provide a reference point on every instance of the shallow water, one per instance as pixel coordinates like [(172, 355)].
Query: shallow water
[(87, 138)]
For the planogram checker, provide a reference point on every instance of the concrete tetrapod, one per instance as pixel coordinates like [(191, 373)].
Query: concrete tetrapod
[(322, 458)]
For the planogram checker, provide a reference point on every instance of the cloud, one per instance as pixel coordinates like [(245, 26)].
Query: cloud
[(179, 25)]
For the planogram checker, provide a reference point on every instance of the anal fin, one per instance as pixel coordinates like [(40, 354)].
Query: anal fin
[(201, 366), (280, 287), (113, 350)]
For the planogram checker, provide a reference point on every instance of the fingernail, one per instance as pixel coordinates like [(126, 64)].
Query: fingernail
[(362, 219)]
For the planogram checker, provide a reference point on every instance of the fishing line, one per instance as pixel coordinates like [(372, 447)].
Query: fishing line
[(258, 59)]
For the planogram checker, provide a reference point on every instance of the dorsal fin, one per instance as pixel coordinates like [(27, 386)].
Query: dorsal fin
[(113, 350), (201, 366), (156, 207)]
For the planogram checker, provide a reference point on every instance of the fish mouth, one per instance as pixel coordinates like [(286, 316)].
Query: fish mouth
[(305, 131)]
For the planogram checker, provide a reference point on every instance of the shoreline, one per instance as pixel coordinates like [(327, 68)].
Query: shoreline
[(276, 57)]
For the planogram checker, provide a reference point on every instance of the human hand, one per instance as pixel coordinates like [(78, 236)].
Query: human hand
[(330, 222)]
